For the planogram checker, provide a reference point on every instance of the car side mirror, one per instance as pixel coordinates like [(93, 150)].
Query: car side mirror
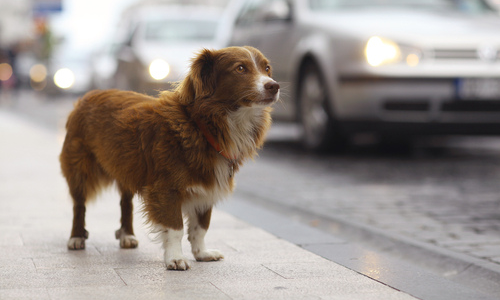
[(277, 11)]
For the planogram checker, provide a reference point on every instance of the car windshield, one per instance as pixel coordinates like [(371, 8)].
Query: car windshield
[(468, 6), (180, 30)]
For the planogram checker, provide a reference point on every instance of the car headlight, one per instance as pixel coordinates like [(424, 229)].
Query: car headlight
[(38, 73), (159, 69), (379, 51), (64, 78)]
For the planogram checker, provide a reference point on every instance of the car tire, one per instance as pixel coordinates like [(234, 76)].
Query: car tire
[(320, 130)]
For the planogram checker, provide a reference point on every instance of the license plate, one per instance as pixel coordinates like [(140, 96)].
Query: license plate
[(478, 88)]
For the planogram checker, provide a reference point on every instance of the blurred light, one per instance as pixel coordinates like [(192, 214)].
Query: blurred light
[(5, 72), (380, 51), (38, 86), (64, 78), (38, 73), (159, 69), (412, 59)]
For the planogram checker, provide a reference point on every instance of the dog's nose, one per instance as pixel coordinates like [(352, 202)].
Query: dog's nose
[(272, 87)]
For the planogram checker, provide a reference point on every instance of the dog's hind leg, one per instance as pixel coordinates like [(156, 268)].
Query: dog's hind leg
[(85, 178), (126, 233), (78, 232), (71, 165)]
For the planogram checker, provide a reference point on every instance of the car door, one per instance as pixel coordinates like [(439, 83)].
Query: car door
[(277, 40), (245, 31), (126, 71)]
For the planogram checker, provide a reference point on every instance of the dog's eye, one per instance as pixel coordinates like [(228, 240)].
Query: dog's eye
[(240, 69), (268, 69)]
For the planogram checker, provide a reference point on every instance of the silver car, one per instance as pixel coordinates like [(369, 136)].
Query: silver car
[(391, 67)]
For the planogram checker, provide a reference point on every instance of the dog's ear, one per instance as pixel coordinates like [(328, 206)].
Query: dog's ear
[(203, 73), (200, 81)]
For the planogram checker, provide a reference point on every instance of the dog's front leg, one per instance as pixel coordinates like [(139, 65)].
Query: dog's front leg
[(198, 226), (169, 226), (174, 259)]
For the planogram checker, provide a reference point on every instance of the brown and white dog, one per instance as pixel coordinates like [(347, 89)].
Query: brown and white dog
[(179, 151)]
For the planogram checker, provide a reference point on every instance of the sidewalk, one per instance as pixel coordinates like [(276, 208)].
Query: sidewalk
[(35, 220)]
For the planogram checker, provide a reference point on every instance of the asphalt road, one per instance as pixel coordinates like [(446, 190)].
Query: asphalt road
[(443, 193)]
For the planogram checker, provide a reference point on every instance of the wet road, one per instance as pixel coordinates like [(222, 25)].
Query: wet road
[(443, 191)]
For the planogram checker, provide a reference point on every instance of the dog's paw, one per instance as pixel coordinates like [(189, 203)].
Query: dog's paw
[(127, 241), (177, 263), (76, 243), (208, 255)]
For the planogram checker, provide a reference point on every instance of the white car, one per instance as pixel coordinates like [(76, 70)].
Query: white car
[(67, 71), (393, 66), (160, 44)]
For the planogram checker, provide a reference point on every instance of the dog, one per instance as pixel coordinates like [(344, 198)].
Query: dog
[(178, 151)]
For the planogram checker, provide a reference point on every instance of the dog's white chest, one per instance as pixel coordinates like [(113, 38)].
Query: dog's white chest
[(209, 196)]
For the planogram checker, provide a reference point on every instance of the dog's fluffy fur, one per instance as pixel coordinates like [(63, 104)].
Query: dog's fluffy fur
[(164, 148)]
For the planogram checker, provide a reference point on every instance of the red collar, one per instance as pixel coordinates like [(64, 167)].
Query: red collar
[(212, 141)]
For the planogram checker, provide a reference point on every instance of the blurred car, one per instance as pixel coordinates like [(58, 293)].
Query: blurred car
[(161, 41), (70, 71), (103, 66), (67, 71), (391, 67)]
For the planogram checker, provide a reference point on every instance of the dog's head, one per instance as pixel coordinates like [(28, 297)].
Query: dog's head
[(232, 77)]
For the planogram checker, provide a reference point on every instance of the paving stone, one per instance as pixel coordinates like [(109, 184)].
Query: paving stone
[(185, 290), (495, 259), (486, 250), (24, 294), (316, 288), (11, 239), (298, 269)]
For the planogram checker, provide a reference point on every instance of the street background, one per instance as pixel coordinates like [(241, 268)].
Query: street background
[(422, 218)]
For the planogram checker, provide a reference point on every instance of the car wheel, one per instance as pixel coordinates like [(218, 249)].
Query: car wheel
[(319, 132)]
